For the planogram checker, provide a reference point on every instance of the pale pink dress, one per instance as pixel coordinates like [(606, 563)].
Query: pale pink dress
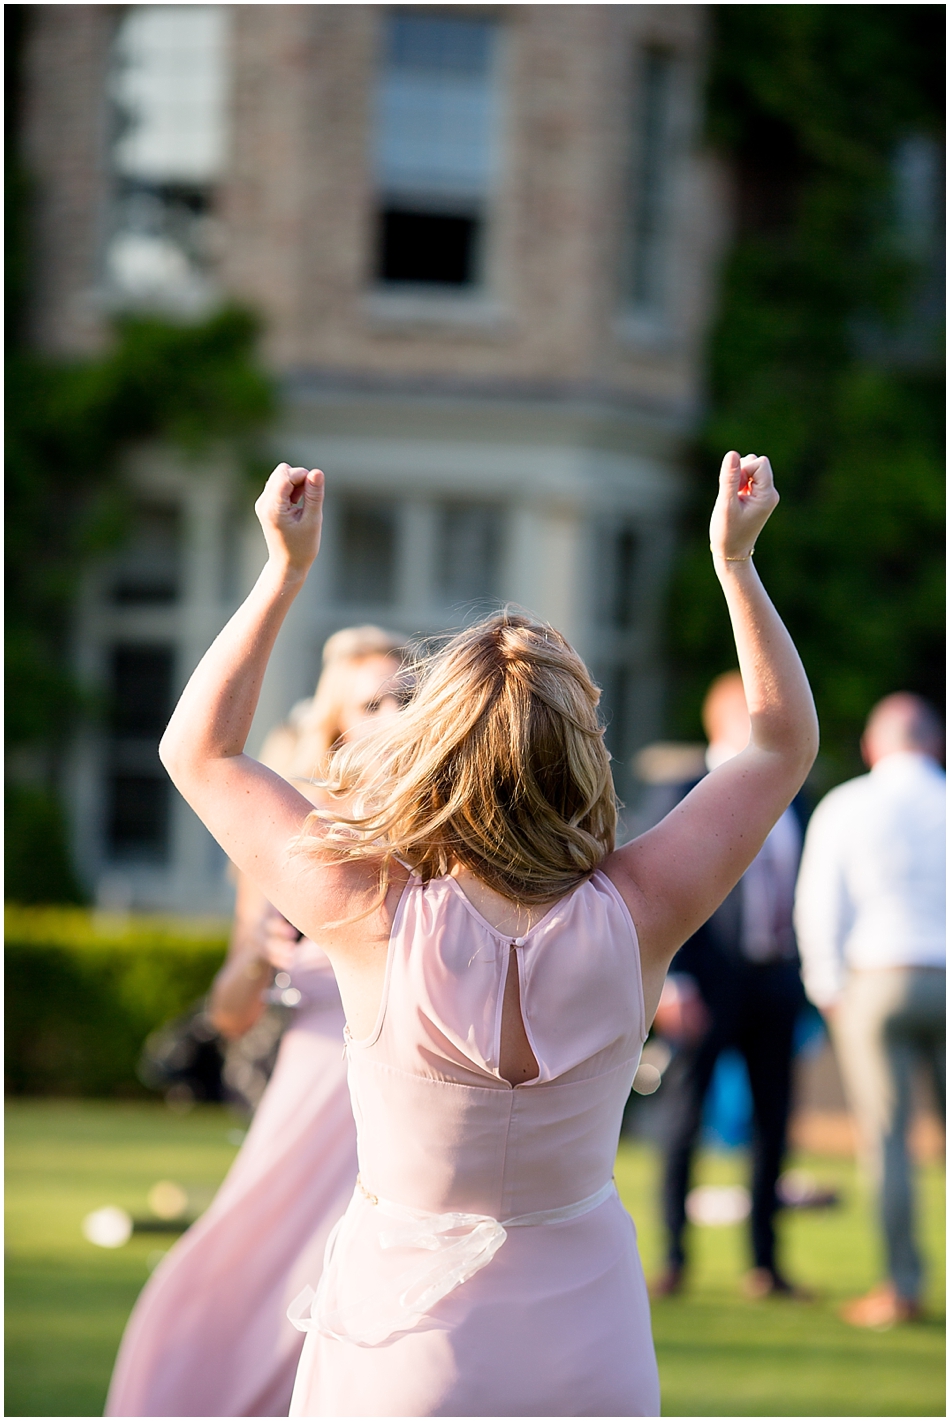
[(485, 1265), (209, 1335)]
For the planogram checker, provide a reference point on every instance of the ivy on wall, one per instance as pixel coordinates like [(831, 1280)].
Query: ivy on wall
[(827, 355), (67, 426)]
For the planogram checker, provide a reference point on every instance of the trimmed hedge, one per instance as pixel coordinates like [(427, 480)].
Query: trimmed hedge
[(84, 989)]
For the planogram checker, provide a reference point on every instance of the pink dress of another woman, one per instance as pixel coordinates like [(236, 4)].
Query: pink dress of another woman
[(209, 1335), (485, 1265)]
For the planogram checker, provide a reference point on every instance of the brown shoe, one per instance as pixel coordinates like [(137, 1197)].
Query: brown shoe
[(766, 1283), (880, 1309), (669, 1282)]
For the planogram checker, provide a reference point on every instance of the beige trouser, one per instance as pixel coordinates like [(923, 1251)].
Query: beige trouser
[(889, 1021)]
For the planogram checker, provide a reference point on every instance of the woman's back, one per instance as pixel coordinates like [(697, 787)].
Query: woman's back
[(485, 1205), (497, 767), (440, 1026)]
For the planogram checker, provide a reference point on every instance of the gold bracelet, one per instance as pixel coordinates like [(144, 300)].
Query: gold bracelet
[(723, 558)]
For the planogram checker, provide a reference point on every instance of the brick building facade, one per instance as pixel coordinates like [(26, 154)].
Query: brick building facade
[(483, 242)]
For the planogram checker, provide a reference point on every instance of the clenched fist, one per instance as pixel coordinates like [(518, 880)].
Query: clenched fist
[(290, 511), (747, 496)]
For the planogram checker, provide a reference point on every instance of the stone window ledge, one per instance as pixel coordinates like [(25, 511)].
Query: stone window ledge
[(646, 330), (436, 308)]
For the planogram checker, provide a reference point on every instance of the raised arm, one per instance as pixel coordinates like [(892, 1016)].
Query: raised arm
[(262, 941), (677, 874), (253, 813)]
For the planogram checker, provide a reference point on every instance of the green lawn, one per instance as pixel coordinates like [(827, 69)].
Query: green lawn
[(719, 1355), (66, 1300)]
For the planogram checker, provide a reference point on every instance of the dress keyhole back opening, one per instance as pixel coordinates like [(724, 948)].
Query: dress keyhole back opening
[(517, 1062)]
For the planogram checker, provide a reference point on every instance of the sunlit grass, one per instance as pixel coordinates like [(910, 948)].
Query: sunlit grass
[(719, 1354), (66, 1300)]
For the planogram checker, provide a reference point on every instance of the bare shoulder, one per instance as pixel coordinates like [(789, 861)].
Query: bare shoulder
[(617, 867), (625, 868), (358, 903), (652, 941)]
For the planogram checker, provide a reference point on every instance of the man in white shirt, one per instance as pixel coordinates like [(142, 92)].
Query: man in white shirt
[(870, 918)]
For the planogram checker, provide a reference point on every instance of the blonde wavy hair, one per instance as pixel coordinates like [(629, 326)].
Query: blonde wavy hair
[(498, 763)]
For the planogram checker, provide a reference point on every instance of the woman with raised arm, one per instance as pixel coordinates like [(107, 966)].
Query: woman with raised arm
[(209, 1335), (499, 963)]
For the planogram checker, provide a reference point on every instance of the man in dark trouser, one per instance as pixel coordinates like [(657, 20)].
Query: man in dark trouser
[(753, 1008), (735, 984)]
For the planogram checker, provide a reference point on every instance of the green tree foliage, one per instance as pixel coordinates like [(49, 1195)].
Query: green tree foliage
[(826, 355), (67, 426)]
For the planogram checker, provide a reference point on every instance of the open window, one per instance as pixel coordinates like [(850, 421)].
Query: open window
[(434, 150)]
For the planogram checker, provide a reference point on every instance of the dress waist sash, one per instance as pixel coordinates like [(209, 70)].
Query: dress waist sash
[(387, 1265)]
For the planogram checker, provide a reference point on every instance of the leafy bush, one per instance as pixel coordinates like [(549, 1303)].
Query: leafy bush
[(83, 990)]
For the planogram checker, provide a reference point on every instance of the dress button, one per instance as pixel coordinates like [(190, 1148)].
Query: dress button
[(519, 942)]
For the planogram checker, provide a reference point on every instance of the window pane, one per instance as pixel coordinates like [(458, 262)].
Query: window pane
[(422, 44), (169, 84), (160, 250), (367, 553), (623, 610), (421, 246), (651, 194), (918, 196), (434, 115), (149, 566), (615, 709), (469, 544), (137, 822), (138, 791), (232, 532), (619, 710), (141, 691)]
